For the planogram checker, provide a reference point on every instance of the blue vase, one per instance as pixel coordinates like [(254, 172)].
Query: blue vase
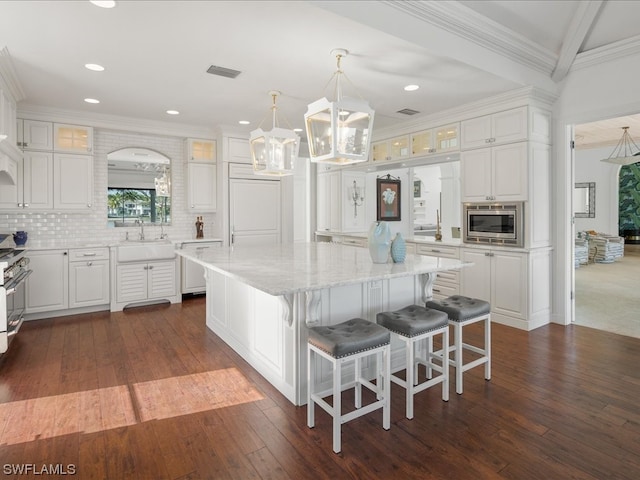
[(398, 249), (20, 238), (379, 240)]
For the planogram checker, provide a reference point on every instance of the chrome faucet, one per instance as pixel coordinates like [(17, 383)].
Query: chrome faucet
[(141, 223), (162, 234)]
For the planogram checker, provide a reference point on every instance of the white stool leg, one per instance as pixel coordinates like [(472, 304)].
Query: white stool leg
[(311, 381), (457, 340), (379, 375), (445, 364), (487, 347), (358, 386), (428, 356), (337, 405), (386, 407), (409, 377)]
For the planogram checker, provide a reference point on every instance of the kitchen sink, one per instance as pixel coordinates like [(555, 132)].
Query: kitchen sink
[(145, 250)]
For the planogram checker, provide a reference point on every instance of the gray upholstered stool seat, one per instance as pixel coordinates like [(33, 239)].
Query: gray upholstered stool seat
[(353, 336), (460, 308), (463, 311), (349, 341), (416, 326), (412, 320)]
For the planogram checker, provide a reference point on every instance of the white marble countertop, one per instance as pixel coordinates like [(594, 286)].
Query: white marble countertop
[(72, 243), (446, 240), (291, 268)]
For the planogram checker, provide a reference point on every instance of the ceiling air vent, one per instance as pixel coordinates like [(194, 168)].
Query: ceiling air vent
[(408, 111), (223, 72)]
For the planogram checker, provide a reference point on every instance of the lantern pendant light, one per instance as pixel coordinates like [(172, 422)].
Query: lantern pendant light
[(339, 132), (274, 152)]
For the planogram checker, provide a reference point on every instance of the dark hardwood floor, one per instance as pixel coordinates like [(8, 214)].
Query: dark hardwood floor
[(152, 394)]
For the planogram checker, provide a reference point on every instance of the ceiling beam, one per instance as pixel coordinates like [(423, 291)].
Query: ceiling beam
[(584, 18), (450, 29)]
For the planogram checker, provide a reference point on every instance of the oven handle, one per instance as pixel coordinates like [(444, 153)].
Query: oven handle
[(14, 284)]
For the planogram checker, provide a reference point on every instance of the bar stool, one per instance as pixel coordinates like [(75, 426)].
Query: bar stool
[(350, 341), (464, 311), (415, 326)]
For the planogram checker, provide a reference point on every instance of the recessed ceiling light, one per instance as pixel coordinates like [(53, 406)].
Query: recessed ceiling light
[(94, 66), (244, 122), (104, 3), (411, 88), (173, 112), (91, 100)]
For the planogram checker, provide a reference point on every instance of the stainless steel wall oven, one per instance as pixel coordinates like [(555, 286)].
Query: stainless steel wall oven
[(494, 223)]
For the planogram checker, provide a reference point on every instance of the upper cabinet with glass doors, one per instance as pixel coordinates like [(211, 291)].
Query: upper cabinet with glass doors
[(435, 140), (199, 150), (392, 149), (72, 138)]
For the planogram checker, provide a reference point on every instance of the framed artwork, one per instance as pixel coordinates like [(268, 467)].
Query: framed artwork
[(417, 188), (388, 198)]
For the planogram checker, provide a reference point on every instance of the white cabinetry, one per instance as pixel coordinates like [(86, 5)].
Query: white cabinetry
[(72, 138), (143, 282), (199, 150), (35, 135), (237, 150), (34, 187), (48, 287), (72, 181), (88, 277), (340, 208), (392, 149), (201, 186), (495, 174), (516, 284), (192, 273), (497, 128), (446, 283), (435, 141)]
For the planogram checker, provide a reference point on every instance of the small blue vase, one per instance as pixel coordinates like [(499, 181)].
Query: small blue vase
[(379, 241), (398, 249), (20, 238)]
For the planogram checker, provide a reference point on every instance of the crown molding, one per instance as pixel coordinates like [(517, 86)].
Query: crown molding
[(9, 75), (511, 99), (606, 53), (463, 22), (113, 122)]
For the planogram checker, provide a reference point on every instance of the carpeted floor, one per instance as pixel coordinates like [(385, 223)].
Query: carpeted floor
[(608, 295)]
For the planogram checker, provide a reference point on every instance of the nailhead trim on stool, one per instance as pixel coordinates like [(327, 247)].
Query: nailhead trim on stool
[(346, 342), (464, 311), (414, 325)]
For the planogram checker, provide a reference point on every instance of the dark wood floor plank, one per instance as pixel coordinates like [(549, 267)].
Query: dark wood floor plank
[(93, 390)]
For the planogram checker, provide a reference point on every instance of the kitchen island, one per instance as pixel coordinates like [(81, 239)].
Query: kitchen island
[(261, 299)]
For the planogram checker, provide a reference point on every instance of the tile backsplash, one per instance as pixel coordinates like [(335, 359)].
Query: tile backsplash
[(90, 226)]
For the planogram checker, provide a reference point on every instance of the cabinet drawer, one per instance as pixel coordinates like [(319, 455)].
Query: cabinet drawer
[(82, 254), (443, 291), (438, 251), (355, 241), (450, 277)]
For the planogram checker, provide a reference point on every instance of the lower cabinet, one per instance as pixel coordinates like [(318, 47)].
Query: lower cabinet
[(47, 288), (192, 275), (516, 284), (142, 282), (446, 283), (88, 277)]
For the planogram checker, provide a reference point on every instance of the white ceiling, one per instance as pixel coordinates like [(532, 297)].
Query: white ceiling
[(156, 54)]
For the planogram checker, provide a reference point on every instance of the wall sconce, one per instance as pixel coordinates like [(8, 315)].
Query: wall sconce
[(355, 195)]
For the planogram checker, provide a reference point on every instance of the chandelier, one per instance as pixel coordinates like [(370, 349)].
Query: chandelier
[(623, 154), (163, 183), (339, 132), (274, 152)]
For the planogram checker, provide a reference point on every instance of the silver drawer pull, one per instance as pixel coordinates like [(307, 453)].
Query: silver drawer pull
[(89, 254)]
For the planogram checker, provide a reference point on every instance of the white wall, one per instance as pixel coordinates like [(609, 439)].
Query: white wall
[(592, 91), (589, 167)]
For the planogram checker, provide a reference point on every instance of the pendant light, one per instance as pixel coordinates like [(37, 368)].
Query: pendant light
[(339, 132), (274, 152), (624, 154)]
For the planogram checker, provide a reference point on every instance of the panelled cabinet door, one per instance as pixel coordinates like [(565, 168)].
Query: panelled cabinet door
[(238, 150), (88, 283), (47, 288), (131, 282), (510, 125), (201, 193), (509, 284), (72, 181), (509, 171), (475, 281), (37, 181), (475, 175), (476, 132), (36, 135)]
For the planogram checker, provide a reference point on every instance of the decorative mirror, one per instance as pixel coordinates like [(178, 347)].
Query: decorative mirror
[(584, 200), (139, 187)]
